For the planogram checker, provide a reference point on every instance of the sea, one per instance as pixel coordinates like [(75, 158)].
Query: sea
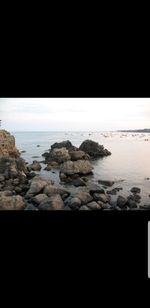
[(128, 165)]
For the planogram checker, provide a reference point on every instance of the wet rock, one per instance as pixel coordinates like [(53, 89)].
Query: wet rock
[(55, 202), (121, 202), (35, 156), (145, 207), (84, 208), (147, 179), (84, 197), (135, 190), (67, 208), (94, 205), (40, 198), (106, 183), (64, 144), (23, 151), (78, 182), (114, 191), (76, 167), (31, 175), (93, 149), (78, 155), (35, 166), (101, 197), (52, 190), (11, 202), (106, 206), (38, 145)]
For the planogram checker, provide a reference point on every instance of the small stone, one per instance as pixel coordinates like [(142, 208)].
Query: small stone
[(121, 201), (84, 208), (94, 205)]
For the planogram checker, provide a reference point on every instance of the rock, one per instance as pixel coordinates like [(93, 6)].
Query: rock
[(2, 178), (58, 155), (48, 167), (40, 198), (37, 186), (114, 191), (147, 179), (52, 190), (74, 203), (11, 202), (132, 204), (84, 197), (76, 167), (31, 207), (64, 144), (78, 155), (93, 149), (55, 202), (135, 190), (12, 167), (38, 145), (16, 182), (67, 208), (35, 156), (31, 175), (106, 183), (35, 166), (121, 201), (23, 151), (84, 208), (6, 193), (134, 197), (94, 205), (78, 182), (145, 207), (7, 145), (101, 197), (94, 188), (18, 190), (106, 206)]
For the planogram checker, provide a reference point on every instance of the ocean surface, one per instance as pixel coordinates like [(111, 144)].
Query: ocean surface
[(129, 164)]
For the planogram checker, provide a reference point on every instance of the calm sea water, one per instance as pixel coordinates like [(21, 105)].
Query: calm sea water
[(130, 159)]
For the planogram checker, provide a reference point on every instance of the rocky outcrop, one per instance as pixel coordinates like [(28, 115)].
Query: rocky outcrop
[(34, 166), (94, 149), (12, 167), (7, 145), (59, 155)]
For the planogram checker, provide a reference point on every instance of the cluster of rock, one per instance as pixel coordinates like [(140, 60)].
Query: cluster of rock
[(73, 162)]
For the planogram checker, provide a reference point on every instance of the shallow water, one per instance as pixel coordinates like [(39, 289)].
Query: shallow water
[(130, 159)]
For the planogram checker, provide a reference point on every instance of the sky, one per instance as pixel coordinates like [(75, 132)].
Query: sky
[(74, 114)]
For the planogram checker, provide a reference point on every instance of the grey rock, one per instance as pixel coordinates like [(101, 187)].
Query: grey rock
[(84, 197), (52, 189), (93, 149), (84, 208), (74, 203), (64, 144), (40, 198), (106, 183), (76, 167), (101, 197), (121, 202), (135, 190), (78, 182), (94, 205)]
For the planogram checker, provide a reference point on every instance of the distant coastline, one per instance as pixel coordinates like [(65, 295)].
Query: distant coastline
[(145, 130)]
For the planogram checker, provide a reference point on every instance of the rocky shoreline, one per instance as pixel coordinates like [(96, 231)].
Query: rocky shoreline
[(22, 189)]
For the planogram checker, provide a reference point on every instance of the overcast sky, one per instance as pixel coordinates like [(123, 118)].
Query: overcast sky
[(74, 114)]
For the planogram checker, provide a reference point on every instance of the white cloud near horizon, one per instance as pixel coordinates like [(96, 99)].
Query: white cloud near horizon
[(74, 114)]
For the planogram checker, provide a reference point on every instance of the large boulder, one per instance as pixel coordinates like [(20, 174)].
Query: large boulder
[(11, 202), (76, 167), (64, 144), (93, 149)]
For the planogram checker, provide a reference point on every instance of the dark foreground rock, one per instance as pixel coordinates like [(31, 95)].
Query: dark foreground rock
[(135, 190), (64, 144), (106, 183), (121, 202), (54, 202), (94, 149)]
